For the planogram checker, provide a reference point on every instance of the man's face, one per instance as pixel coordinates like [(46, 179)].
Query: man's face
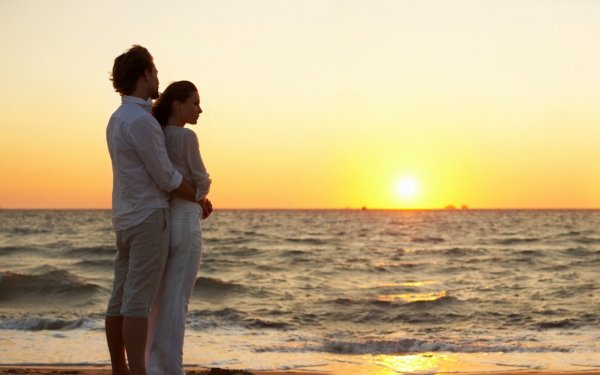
[(153, 83)]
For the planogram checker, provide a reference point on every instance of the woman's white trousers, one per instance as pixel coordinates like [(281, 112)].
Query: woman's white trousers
[(166, 324)]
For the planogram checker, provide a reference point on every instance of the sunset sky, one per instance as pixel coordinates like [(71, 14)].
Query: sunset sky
[(317, 103)]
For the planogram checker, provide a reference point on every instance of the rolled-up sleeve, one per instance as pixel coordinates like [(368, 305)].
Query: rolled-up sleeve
[(148, 140), (200, 178)]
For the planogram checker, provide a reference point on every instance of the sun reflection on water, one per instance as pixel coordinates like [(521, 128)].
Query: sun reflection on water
[(412, 297), (417, 363), (402, 284)]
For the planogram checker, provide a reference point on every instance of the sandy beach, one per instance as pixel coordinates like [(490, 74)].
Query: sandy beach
[(105, 370)]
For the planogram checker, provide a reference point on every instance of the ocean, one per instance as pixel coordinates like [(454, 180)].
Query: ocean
[(355, 291)]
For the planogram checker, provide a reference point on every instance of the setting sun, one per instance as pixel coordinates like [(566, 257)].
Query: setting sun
[(407, 188)]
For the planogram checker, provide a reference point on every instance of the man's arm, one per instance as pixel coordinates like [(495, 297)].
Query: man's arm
[(185, 190), (148, 140)]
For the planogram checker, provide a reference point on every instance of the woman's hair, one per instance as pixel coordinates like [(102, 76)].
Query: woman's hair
[(130, 66), (177, 91)]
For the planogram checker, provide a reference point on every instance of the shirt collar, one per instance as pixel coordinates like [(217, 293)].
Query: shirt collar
[(146, 104)]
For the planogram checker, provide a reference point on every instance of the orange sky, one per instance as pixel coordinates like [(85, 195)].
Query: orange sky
[(318, 104)]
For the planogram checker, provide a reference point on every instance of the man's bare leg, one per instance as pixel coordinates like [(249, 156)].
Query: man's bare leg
[(116, 348), (135, 331)]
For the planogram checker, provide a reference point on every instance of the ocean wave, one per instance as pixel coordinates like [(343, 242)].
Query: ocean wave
[(48, 324), (215, 289), (295, 253), (264, 324), (268, 268), (9, 250), (228, 314), (587, 240), (579, 252), (407, 346), (516, 240), (204, 283), (557, 268), (232, 318), (96, 263), (427, 240), (384, 347), (428, 305), (203, 319), (462, 252), (557, 324), (92, 251), (244, 252), (417, 299), (411, 314), (531, 253), (209, 240), (25, 231), (345, 301), (52, 283), (308, 240), (572, 233)]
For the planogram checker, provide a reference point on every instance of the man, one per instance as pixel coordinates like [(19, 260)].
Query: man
[(143, 177)]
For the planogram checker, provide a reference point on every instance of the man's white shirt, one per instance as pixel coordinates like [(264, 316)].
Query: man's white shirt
[(142, 172)]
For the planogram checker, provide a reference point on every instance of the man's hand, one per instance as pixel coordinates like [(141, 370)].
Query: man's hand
[(207, 207)]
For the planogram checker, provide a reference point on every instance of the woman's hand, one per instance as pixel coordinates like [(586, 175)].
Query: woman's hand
[(207, 207)]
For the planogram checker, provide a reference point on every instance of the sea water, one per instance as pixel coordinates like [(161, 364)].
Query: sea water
[(358, 290)]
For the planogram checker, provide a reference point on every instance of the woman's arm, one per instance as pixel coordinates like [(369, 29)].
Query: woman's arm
[(200, 178)]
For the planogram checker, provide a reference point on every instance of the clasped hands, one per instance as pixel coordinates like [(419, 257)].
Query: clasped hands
[(207, 207)]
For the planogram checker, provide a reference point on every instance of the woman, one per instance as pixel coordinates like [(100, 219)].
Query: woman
[(178, 105)]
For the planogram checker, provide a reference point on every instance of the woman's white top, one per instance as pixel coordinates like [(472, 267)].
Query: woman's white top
[(184, 152)]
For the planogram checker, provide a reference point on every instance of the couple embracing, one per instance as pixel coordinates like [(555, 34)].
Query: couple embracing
[(159, 194)]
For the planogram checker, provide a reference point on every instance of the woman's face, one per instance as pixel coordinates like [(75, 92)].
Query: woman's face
[(190, 109)]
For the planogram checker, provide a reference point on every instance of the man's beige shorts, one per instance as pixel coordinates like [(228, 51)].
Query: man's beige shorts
[(139, 264)]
